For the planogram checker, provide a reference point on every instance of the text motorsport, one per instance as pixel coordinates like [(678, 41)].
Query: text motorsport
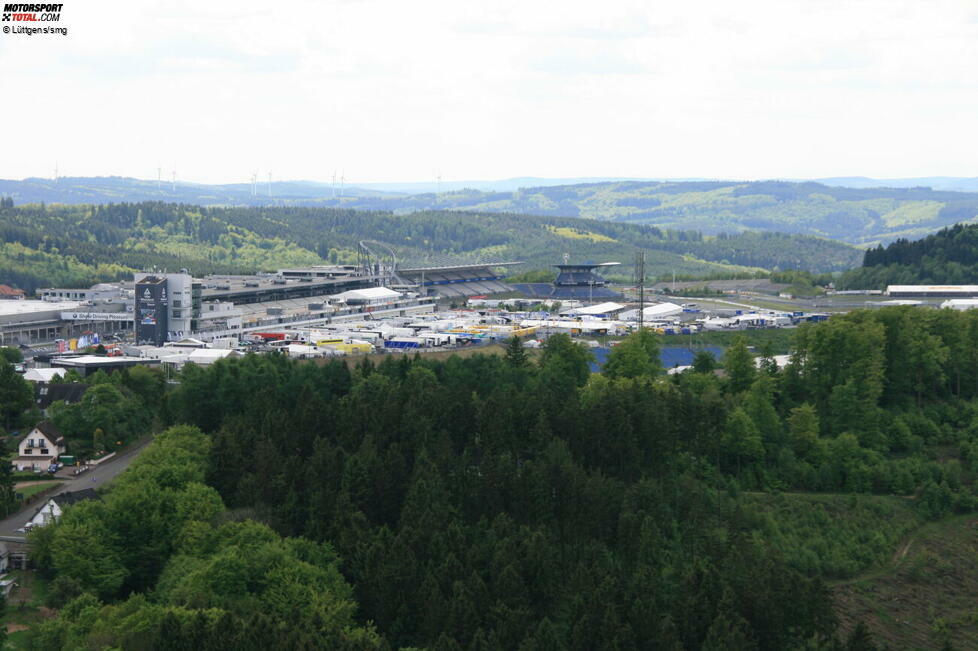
[(32, 13)]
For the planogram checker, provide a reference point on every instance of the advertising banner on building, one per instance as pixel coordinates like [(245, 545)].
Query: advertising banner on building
[(95, 316), (151, 310)]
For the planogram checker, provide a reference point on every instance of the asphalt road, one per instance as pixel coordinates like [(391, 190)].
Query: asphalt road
[(102, 474)]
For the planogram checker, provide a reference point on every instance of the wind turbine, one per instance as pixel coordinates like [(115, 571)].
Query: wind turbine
[(174, 181), (269, 184)]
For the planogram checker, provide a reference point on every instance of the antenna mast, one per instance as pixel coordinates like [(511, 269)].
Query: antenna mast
[(640, 276)]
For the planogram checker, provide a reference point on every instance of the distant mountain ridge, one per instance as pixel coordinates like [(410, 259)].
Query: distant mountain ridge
[(864, 216)]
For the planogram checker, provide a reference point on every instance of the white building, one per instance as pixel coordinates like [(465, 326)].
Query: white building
[(369, 296), (932, 291), (40, 447), (218, 315), (101, 292), (960, 303), (654, 312), (55, 506)]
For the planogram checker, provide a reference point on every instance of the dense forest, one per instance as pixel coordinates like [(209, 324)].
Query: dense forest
[(80, 245), (947, 257), (523, 502), (862, 215)]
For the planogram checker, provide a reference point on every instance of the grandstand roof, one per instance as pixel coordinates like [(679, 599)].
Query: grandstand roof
[(456, 267), (582, 293), (588, 265)]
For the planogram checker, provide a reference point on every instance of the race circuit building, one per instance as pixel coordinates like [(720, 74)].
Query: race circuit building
[(574, 282), (457, 281)]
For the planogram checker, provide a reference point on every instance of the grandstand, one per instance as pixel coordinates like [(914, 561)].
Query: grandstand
[(457, 281), (575, 281)]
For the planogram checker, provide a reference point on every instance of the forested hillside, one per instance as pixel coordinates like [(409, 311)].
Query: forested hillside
[(501, 502), (79, 245), (947, 257), (863, 216)]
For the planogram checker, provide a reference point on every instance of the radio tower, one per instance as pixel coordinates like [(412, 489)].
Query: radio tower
[(640, 276)]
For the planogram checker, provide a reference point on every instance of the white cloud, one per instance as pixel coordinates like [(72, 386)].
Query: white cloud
[(386, 90)]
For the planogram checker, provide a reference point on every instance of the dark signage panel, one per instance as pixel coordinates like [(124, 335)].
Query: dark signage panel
[(151, 310)]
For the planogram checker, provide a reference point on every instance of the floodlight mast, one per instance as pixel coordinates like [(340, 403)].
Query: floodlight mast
[(640, 276)]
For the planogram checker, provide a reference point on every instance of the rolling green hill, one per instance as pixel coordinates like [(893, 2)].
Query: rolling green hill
[(863, 216), (71, 245)]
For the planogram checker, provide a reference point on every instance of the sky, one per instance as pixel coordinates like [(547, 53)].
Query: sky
[(385, 90)]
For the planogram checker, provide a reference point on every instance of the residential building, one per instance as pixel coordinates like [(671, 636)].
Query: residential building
[(55, 506), (39, 447), (8, 293)]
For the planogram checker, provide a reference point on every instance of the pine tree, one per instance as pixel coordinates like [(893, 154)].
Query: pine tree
[(515, 354), (739, 365)]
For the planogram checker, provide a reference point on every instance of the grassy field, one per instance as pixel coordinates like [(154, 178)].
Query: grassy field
[(579, 234), (35, 488), (926, 596)]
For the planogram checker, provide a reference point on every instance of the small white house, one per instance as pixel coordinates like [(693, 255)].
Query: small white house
[(40, 447), (55, 506)]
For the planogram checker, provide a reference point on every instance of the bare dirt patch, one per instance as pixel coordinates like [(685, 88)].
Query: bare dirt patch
[(926, 597)]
